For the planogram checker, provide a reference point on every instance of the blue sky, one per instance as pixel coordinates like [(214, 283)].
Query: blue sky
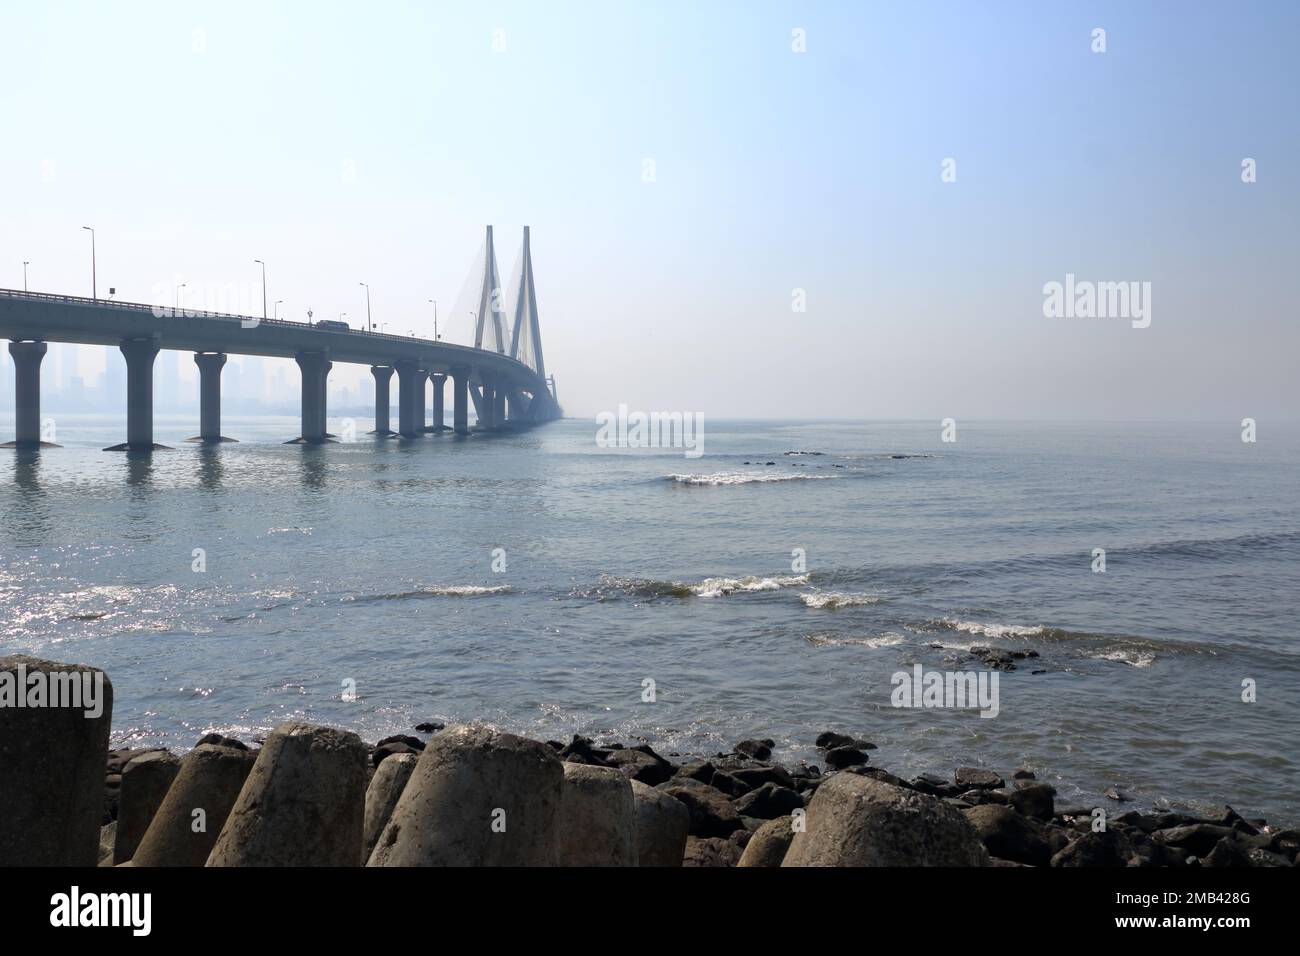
[(345, 143)]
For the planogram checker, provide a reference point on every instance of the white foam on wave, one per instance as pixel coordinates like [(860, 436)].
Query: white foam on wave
[(992, 630), (888, 639), (741, 478), (465, 590), (719, 587), (834, 599), (1133, 658)]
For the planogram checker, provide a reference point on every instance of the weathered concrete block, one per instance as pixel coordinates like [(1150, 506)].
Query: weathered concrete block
[(855, 820), (662, 823), (597, 823), (386, 786), (769, 844), (195, 808), (477, 798), (54, 724), (145, 782), (303, 803)]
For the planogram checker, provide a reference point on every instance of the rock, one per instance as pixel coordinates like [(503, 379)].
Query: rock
[(415, 743), (1197, 839), (1108, 848), (842, 757), (1285, 842), (769, 844), (477, 798), (754, 777), (711, 851), (597, 819), (829, 740), (662, 823), (430, 726), (1231, 818), (1009, 836), (758, 749), (641, 763), (976, 778), (853, 820), (145, 782), (304, 802), (712, 814), (876, 773), (729, 784), (769, 802), (394, 749), (382, 794), (1023, 774), (52, 761), (218, 740), (1113, 793), (582, 747), (107, 841), (191, 815), (1037, 800), (701, 770)]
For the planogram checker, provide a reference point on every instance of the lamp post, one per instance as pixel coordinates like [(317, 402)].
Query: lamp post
[(26, 263), (176, 311), (263, 265), (277, 308), (369, 321), (436, 336), (94, 282)]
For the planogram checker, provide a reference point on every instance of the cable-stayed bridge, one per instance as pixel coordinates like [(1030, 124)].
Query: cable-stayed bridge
[(502, 374)]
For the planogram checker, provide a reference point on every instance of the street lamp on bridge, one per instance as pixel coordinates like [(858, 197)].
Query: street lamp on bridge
[(94, 287), (263, 265), (370, 324), (277, 308), (26, 263), (176, 311), (436, 336)]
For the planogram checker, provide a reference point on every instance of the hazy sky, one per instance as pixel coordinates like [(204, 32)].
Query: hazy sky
[(371, 142)]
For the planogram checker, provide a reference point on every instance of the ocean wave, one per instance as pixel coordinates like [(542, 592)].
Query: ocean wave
[(834, 599), (1127, 655), (740, 478), (719, 587), (990, 630), (888, 639), (433, 591), (709, 587)]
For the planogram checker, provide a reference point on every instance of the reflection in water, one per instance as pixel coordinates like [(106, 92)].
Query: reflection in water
[(139, 469), (312, 466), (209, 468), (30, 523)]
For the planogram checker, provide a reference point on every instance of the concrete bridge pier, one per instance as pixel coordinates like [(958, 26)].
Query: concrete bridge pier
[(210, 365), (460, 400), (408, 374), (383, 377), (27, 395), (315, 368), (439, 410), (499, 407), (139, 355), (487, 409), (421, 400)]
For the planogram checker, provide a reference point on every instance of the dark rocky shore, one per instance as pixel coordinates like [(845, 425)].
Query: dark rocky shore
[(470, 795)]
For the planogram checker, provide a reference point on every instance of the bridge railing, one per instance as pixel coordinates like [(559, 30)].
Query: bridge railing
[(163, 311)]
